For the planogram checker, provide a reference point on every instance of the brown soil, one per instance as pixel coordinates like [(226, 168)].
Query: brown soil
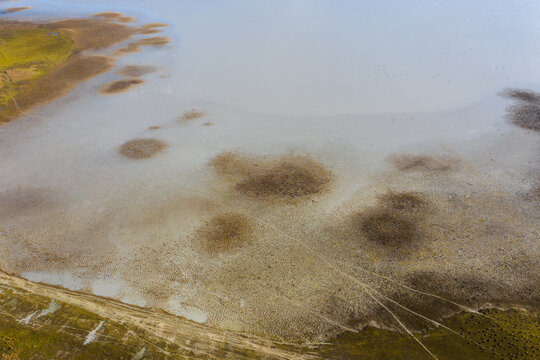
[(286, 177), (143, 148), (15, 9), (119, 86), (191, 115), (225, 232), (156, 41), (410, 162), (136, 70)]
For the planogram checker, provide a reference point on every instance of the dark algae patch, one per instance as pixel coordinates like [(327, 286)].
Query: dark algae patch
[(385, 228), (142, 148), (119, 86), (225, 232), (526, 116), (286, 177), (393, 221), (525, 113), (490, 335)]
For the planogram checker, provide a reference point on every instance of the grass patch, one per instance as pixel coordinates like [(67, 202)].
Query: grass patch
[(502, 335), (27, 54)]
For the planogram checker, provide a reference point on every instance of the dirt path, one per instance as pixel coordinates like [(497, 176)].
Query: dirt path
[(189, 336)]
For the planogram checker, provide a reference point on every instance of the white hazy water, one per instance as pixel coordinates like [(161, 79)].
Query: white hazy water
[(347, 81)]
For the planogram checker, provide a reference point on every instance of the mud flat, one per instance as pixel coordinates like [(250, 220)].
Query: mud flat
[(306, 230)]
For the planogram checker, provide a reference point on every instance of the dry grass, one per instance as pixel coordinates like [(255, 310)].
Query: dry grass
[(192, 114), (143, 148), (136, 70), (156, 41), (119, 86), (410, 162), (225, 232), (151, 28), (114, 16), (522, 95), (287, 177), (526, 116), (91, 34)]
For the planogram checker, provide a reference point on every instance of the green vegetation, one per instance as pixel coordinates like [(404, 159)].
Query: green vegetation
[(27, 54), (61, 335), (494, 335)]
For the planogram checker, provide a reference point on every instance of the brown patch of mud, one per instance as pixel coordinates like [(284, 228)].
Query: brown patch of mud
[(526, 116), (393, 221), (143, 148), (154, 127), (522, 95), (286, 177), (23, 200), (225, 232), (136, 70), (151, 28), (157, 41), (114, 16), (411, 162), (119, 86), (15, 9), (192, 114)]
